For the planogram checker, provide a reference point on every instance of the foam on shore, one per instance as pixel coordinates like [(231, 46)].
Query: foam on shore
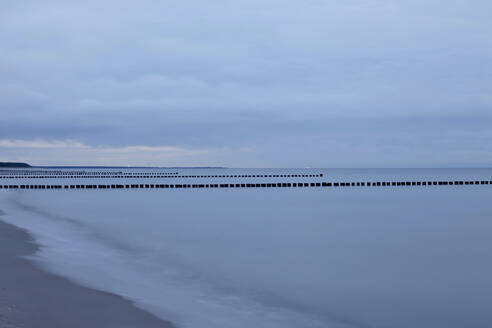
[(30, 297)]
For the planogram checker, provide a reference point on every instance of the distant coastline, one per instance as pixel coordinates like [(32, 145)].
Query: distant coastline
[(128, 167), (19, 164), (14, 164)]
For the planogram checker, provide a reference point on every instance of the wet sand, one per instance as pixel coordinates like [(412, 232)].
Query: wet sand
[(33, 298)]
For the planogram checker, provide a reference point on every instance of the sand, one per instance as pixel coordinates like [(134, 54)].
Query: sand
[(33, 298)]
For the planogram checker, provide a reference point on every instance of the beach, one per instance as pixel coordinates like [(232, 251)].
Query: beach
[(31, 297)]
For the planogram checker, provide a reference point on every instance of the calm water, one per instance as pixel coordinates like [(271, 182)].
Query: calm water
[(310, 257)]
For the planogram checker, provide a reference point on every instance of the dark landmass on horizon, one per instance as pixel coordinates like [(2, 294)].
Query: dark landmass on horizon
[(19, 164), (14, 164), (127, 167)]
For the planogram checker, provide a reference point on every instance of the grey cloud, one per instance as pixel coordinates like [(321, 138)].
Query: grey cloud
[(253, 75)]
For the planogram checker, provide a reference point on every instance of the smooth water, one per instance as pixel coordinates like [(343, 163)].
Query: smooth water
[(310, 257)]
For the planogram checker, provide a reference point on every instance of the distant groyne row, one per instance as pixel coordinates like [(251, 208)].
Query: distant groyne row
[(381, 184), (64, 173), (156, 176)]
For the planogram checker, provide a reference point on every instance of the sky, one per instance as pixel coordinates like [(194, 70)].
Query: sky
[(257, 83)]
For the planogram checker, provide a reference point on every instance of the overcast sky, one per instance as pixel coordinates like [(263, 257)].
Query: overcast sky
[(256, 83)]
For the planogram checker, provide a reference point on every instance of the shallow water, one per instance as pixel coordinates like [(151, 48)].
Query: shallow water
[(311, 257)]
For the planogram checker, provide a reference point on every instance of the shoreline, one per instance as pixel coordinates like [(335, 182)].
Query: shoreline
[(31, 297)]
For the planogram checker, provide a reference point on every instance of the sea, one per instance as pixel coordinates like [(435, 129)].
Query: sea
[(406, 255)]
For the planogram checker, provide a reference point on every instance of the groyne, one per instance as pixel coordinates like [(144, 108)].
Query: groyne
[(106, 175), (326, 184)]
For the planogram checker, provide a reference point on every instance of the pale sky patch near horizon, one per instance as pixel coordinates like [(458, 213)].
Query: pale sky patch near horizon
[(247, 83)]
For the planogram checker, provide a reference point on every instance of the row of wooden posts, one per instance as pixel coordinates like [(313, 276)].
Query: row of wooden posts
[(253, 185), (161, 176)]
